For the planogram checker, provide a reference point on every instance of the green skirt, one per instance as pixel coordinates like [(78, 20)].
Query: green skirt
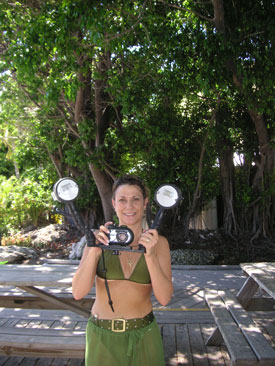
[(137, 347)]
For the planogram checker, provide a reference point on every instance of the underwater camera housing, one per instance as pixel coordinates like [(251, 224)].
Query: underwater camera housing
[(120, 235)]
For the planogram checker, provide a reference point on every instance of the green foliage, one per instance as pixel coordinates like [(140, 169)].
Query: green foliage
[(6, 166), (25, 201), (163, 68), (198, 257)]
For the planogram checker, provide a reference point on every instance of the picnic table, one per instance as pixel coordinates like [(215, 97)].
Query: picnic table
[(36, 281), (33, 279), (245, 342), (259, 275), (30, 330)]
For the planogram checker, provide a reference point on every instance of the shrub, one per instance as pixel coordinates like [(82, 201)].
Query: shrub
[(192, 257), (16, 240), (25, 201)]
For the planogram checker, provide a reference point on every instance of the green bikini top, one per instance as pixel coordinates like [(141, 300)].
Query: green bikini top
[(140, 273)]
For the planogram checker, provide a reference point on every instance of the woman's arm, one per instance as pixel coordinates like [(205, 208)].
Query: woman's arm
[(159, 265), (85, 275)]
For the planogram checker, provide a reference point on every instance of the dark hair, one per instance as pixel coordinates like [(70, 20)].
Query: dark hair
[(131, 180)]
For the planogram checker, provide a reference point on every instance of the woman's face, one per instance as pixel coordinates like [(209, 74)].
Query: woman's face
[(129, 204)]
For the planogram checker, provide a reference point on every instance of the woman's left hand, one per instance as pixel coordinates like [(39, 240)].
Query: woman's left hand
[(149, 239)]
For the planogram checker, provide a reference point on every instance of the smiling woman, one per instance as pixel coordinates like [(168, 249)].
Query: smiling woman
[(123, 331), (129, 204)]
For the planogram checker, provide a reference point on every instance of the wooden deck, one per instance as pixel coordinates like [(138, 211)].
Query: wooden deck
[(184, 343), (185, 326)]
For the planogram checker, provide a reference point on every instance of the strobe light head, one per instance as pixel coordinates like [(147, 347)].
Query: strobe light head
[(65, 190), (167, 196)]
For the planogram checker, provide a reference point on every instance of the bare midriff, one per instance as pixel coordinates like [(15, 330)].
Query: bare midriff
[(130, 299)]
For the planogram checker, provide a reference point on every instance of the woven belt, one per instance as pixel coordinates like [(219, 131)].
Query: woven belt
[(122, 325)]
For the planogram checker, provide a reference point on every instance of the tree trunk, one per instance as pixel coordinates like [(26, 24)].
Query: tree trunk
[(227, 178), (197, 192), (100, 109), (227, 171), (263, 216), (102, 118), (104, 186)]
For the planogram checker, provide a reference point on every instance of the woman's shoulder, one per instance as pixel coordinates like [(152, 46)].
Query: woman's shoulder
[(163, 238), (163, 243)]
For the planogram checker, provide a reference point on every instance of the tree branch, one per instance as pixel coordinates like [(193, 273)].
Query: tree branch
[(110, 37)]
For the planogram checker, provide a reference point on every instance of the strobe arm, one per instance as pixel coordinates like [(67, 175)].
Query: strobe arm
[(157, 220)]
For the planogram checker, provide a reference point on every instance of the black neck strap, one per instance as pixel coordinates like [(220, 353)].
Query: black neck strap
[(106, 282)]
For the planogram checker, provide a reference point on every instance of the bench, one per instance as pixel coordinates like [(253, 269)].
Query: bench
[(42, 333), (26, 301), (244, 340), (11, 297), (32, 342)]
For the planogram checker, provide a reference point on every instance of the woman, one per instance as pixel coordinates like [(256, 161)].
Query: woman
[(125, 333)]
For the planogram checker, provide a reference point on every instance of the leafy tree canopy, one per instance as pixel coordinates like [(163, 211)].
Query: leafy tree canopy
[(163, 89)]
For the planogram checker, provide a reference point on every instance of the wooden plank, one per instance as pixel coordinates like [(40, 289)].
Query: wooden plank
[(263, 266), (261, 304), (184, 353), (55, 300), (183, 317), (3, 321), (81, 325), (191, 302), (33, 323), (168, 317), (44, 361), (11, 322), (169, 343), (215, 339), (3, 360), (268, 328), (12, 361), (38, 267), (6, 289), (41, 351), (30, 361), (57, 291), (34, 302), (263, 350), (190, 298), (264, 274), (238, 348), (35, 331), (43, 275), (76, 362), (39, 342), (62, 261), (60, 362), (46, 324), (199, 353), (16, 314), (215, 354), (22, 323), (58, 324), (266, 282), (247, 291)]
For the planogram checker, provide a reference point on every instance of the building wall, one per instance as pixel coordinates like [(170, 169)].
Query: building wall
[(207, 219)]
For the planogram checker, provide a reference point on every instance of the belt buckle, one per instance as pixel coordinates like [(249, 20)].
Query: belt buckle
[(123, 325)]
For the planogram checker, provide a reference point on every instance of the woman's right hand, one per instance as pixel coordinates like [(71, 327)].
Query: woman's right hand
[(101, 235)]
